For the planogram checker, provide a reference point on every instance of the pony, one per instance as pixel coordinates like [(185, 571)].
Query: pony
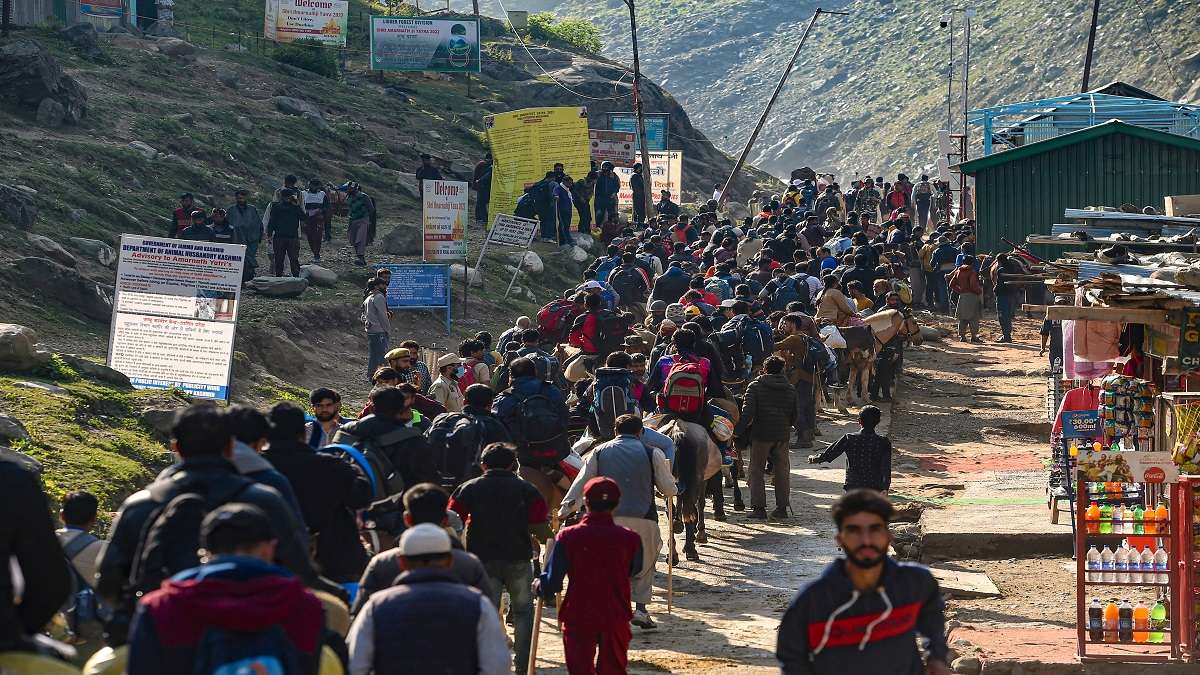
[(696, 461), (863, 344)]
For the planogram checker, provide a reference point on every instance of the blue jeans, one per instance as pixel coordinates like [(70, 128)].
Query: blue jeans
[(377, 346), (941, 290), (516, 577), (1006, 307), (564, 229), (251, 265)]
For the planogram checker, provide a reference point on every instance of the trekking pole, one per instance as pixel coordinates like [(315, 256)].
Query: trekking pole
[(537, 615), (670, 559)]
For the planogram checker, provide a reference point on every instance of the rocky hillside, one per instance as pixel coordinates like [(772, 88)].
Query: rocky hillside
[(869, 91)]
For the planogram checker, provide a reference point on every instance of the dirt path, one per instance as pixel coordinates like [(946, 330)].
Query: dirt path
[(966, 415)]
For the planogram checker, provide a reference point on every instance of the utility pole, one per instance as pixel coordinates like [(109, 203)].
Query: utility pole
[(774, 95), (948, 22), (648, 204), (6, 18), (968, 13), (1087, 59)]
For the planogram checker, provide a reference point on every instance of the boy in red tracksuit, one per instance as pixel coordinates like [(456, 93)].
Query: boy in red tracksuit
[(600, 556)]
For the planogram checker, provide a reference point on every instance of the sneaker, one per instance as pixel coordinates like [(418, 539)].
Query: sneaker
[(757, 514), (780, 513), (641, 619)]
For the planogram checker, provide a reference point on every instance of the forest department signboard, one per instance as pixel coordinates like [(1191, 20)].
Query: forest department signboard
[(414, 43)]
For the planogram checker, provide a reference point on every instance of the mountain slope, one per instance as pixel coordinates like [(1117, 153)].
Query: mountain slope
[(868, 92)]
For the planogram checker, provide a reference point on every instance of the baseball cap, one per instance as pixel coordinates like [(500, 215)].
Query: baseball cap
[(592, 284), (601, 489), (692, 310), (424, 539), (728, 303), (448, 360)]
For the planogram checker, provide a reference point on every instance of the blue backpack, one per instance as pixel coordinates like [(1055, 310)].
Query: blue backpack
[(758, 340), (718, 287), (611, 398), (228, 652), (786, 293), (606, 267)]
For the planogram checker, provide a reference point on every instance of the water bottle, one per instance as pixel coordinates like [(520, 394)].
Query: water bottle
[(1107, 564), (1121, 562), (1093, 564), (1118, 518), (1160, 566), (1147, 565)]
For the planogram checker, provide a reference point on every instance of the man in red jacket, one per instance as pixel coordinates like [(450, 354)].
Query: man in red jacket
[(600, 556)]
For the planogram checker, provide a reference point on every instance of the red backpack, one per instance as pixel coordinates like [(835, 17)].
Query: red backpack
[(683, 392), (468, 377), (553, 319)]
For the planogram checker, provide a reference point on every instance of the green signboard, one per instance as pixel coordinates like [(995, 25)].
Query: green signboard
[(1189, 340), (414, 43)]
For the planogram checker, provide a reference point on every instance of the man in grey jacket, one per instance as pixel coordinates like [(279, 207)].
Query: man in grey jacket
[(377, 318), (244, 218), (637, 470)]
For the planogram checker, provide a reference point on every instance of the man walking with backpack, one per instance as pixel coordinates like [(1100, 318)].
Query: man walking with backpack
[(596, 332), (637, 469), (769, 411), (803, 356), (632, 284), (81, 549), (458, 439), (235, 612), (392, 441), (535, 413), (683, 380), (501, 512), (154, 522)]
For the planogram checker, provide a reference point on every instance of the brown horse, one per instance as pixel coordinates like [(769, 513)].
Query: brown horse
[(863, 344)]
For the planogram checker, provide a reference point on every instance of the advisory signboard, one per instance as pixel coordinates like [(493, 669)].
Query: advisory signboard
[(322, 21), (174, 314), (443, 220), (415, 43), (527, 143), (417, 286), (657, 128)]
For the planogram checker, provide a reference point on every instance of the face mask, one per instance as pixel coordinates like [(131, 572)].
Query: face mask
[(460, 371)]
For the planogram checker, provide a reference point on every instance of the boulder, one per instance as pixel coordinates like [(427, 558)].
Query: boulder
[(403, 240), (19, 349), (319, 122), (96, 250), (50, 113), (583, 241), (29, 74), (407, 182), (17, 207), (279, 287), (228, 77), (11, 429), (244, 123), (579, 255), (51, 249), (83, 37), (96, 371), (43, 386), (294, 106), (459, 271), (184, 118), (318, 276), (143, 149), (30, 464), (528, 262), (967, 665), (46, 279), (176, 47), (159, 421)]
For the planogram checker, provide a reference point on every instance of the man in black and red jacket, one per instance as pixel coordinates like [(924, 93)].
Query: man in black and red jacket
[(236, 591), (864, 611)]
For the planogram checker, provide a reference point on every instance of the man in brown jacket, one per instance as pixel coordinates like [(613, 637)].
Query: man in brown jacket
[(768, 414), (793, 346)]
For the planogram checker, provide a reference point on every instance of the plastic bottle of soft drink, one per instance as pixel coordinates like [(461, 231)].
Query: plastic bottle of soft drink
[(1106, 515), (1096, 621), (1093, 564), (1161, 515), (1107, 564), (1093, 518), (1110, 621), (1125, 622), (1158, 622), (1160, 566), (1147, 565), (1141, 622), (1118, 519), (1139, 527), (1121, 562)]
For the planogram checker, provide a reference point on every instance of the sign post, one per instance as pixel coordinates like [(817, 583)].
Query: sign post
[(657, 128), (613, 146), (416, 43), (174, 314), (443, 220), (1189, 340), (509, 231), (417, 286), (666, 173), (290, 20)]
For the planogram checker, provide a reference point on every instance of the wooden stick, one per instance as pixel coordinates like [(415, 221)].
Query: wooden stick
[(533, 641), (670, 562)]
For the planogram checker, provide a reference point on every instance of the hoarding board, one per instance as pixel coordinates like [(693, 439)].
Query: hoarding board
[(323, 21), (666, 171), (174, 314), (527, 143), (443, 220), (657, 128), (414, 43), (417, 286), (613, 146)]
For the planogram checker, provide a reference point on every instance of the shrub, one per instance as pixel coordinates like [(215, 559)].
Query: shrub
[(308, 55), (578, 33)]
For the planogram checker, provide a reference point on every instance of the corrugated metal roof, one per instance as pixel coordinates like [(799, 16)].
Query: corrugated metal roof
[(1106, 129), (1136, 276)]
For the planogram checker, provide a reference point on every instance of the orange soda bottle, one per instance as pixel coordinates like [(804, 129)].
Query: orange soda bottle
[(1141, 622), (1161, 515), (1111, 614), (1093, 518)]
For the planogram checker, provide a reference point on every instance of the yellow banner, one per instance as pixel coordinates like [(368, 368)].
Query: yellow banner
[(527, 143)]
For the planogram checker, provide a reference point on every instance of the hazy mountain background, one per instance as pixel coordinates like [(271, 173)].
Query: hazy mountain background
[(869, 90)]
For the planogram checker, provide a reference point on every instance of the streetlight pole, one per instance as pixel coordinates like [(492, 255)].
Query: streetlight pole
[(774, 95), (647, 193), (968, 13), (948, 22)]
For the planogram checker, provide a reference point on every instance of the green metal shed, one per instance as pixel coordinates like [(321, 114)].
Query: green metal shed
[(1025, 190)]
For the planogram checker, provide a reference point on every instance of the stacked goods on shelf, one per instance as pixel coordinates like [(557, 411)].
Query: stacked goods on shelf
[(1127, 407), (1186, 453)]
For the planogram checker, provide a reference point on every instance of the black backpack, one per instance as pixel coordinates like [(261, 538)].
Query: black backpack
[(227, 652), (629, 284), (170, 539), (526, 207), (82, 605), (610, 332), (543, 194), (611, 398), (458, 438), (538, 429)]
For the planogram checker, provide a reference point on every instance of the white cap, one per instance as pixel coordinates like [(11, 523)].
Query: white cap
[(424, 539), (592, 284)]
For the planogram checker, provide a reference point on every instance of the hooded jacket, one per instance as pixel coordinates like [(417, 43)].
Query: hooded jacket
[(769, 410), (670, 285), (252, 465), (832, 628), (235, 593)]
